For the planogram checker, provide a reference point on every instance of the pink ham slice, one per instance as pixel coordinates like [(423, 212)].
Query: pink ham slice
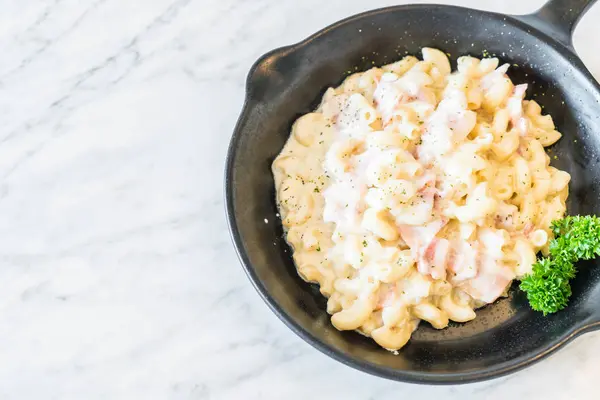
[(493, 276), (464, 261), (418, 236), (490, 282), (387, 296), (435, 258), (514, 106), (426, 248)]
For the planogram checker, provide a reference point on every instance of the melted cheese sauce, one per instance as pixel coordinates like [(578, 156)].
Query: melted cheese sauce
[(413, 193)]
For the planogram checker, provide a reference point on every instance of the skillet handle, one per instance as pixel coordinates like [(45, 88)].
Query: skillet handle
[(558, 18)]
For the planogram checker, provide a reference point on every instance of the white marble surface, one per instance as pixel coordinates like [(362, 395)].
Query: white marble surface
[(117, 276)]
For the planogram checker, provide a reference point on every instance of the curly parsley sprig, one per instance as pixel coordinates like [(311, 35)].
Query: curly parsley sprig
[(548, 286)]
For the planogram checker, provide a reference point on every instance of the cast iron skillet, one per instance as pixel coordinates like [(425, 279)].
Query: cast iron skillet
[(289, 82)]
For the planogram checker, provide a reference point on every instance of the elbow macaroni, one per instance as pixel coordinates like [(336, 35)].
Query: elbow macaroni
[(417, 193)]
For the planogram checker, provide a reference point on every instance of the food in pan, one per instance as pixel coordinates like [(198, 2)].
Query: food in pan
[(417, 193)]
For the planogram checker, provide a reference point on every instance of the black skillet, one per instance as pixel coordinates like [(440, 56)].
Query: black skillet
[(289, 82)]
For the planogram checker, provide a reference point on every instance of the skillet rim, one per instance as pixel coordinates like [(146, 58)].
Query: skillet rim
[(494, 371)]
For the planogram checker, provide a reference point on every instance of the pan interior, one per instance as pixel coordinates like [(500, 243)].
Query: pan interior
[(288, 83)]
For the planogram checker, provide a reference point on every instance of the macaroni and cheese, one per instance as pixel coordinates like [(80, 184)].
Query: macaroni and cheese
[(417, 193)]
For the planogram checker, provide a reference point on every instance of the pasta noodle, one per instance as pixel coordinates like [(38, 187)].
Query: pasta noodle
[(417, 193)]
